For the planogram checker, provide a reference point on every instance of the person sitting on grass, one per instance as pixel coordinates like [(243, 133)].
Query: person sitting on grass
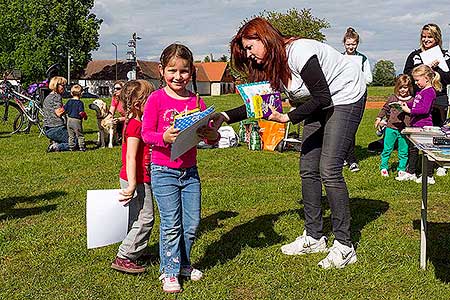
[(54, 124)]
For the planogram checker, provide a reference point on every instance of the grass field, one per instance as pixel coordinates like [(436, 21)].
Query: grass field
[(251, 206)]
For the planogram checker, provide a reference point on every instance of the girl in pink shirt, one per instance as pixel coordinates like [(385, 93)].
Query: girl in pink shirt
[(175, 184)]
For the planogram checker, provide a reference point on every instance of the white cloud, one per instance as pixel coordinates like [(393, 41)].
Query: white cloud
[(388, 29)]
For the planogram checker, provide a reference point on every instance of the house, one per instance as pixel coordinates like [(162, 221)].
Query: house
[(213, 78)]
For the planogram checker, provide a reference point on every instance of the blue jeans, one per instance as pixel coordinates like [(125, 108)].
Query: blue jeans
[(178, 195), (327, 137), (59, 135)]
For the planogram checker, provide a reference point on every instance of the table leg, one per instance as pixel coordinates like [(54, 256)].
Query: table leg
[(423, 214)]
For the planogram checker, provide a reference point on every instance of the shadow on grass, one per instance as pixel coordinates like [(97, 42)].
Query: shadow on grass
[(259, 232), (7, 210), (208, 223), (438, 248)]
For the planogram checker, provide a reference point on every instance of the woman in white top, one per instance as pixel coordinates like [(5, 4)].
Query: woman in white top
[(330, 92)]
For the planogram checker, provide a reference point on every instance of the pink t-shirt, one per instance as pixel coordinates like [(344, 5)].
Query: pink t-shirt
[(118, 105), (133, 129), (158, 116)]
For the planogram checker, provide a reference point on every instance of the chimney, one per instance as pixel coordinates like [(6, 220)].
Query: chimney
[(211, 57)]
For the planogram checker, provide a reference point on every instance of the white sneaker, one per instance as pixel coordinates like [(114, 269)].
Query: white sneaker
[(305, 244), (384, 173), (430, 180), (441, 171), (191, 273), (402, 176), (170, 284), (339, 256)]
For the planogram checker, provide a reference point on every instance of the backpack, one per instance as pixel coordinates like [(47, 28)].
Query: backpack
[(228, 137)]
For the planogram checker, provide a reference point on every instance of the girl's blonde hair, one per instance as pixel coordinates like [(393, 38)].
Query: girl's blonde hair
[(434, 77), (135, 93), (55, 81), (403, 80), (434, 31), (351, 34)]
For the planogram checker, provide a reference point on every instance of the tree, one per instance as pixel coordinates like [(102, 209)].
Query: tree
[(297, 23), (37, 34), (384, 73)]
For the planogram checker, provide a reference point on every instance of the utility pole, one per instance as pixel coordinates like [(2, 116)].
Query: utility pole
[(68, 67), (116, 58), (131, 55)]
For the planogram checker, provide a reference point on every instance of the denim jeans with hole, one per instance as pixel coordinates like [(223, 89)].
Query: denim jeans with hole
[(327, 136), (178, 195), (59, 135)]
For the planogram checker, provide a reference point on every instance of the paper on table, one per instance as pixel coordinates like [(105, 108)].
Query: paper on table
[(432, 54), (188, 138), (106, 218)]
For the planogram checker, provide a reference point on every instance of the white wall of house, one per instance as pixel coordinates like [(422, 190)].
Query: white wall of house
[(215, 89)]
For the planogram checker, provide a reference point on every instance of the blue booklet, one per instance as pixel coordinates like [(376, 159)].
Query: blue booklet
[(188, 120)]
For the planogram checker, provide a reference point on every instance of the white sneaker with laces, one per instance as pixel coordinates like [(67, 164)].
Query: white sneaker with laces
[(384, 173), (191, 273), (305, 244), (339, 256), (430, 180), (403, 176), (441, 171), (170, 284)]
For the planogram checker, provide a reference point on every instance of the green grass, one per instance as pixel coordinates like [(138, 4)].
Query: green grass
[(251, 206)]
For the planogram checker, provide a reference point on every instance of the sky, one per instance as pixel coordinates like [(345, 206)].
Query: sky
[(388, 30)]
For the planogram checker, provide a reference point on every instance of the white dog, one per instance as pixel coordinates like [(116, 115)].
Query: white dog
[(106, 126)]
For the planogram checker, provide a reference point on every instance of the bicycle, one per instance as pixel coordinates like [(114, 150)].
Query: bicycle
[(19, 112)]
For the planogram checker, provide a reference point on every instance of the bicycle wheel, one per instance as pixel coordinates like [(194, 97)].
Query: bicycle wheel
[(11, 118)]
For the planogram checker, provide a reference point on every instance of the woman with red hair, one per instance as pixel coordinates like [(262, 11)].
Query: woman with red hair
[(329, 93)]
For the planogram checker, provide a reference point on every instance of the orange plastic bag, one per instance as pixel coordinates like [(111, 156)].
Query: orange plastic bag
[(271, 133)]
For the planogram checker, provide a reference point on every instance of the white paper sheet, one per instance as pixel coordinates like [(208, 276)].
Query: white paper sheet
[(106, 218), (188, 138), (432, 54)]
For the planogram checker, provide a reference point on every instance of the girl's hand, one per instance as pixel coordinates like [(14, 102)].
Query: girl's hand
[(278, 117), (126, 195), (170, 135), (377, 122), (405, 107), (210, 133)]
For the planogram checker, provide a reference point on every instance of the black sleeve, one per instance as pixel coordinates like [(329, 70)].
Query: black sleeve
[(409, 64), (445, 76), (237, 114), (317, 85)]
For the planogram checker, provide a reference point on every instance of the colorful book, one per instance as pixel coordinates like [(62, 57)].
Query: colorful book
[(185, 120), (258, 97)]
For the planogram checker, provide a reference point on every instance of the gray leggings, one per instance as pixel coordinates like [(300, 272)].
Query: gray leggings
[(140, 222), (327, 136)]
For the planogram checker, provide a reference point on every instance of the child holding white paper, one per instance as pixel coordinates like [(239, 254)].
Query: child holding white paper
[(397, 120), (175, 184), (135, 179)]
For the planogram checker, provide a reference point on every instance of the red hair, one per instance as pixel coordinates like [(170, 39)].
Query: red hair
[(274, 68)]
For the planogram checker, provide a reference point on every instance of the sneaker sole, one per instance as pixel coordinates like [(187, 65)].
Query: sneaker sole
[(303, 253), (125, 270)]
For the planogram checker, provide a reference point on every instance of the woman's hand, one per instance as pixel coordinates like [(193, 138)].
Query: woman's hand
[(170, 135), (217, 120), (405, 107), (278, 117), (434, 63), (210, 133)]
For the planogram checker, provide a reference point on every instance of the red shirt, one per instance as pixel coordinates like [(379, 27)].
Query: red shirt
[(118, 105), (133, 129)]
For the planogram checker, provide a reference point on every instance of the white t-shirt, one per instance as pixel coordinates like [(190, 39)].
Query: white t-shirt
[(345, 80)]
